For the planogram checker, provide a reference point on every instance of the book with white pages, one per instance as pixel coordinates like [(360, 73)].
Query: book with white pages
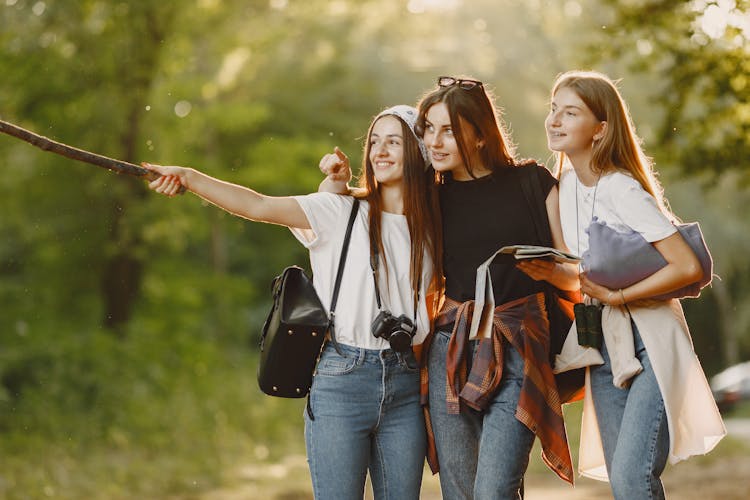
[(539, 252)]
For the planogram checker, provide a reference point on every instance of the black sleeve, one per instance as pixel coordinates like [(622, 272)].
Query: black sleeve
[(546, 179)]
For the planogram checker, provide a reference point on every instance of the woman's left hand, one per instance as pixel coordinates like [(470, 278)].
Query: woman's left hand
[(599, 292), (336, 166)]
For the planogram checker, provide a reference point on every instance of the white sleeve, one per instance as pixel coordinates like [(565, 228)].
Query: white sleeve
[(324, 213), (639, 211)]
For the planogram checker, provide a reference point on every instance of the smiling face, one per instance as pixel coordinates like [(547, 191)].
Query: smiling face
[(441, 142), (387, 150), (571, 125)]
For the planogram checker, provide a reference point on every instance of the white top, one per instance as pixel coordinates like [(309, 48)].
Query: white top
[(356, 307), (695, 424), (618, 199)]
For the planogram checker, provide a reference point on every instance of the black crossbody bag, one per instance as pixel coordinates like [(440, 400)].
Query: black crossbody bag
[(295, 329)]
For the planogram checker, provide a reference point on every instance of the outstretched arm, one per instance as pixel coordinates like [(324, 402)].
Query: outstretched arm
[(338, 173), (238, 200)]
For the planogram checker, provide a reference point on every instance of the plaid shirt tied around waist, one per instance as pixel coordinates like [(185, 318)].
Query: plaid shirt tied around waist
[(523, 323)]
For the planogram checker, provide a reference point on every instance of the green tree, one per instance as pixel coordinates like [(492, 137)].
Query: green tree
[(694, 56), (94, 95), (697, 52)]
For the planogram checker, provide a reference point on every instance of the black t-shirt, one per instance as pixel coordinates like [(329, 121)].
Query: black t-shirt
[(479, 217)]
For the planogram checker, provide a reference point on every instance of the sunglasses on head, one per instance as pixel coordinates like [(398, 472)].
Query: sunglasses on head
[(449, 81)]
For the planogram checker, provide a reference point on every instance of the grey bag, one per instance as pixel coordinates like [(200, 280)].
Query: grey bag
[(619, 259)]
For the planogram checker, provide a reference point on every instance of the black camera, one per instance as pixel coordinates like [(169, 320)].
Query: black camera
[(589, 325), (397, 330)]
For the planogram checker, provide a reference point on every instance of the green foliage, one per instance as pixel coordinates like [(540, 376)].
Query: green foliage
[(170, 398), (254, 92), (697, 52), (691, 58)]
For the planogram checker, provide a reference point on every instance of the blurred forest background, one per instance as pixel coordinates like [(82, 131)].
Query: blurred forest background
[(129, 322)]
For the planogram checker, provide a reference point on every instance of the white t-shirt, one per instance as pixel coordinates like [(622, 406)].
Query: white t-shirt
[(328, 215), (617, 199)]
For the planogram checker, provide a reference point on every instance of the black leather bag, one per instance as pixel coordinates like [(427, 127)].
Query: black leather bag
[(293, 335), (295, 329)]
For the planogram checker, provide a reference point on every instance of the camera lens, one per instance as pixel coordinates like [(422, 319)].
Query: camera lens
[(400, 341)]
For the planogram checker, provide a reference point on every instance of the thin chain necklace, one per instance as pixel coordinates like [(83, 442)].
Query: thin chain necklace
[(593, 203)]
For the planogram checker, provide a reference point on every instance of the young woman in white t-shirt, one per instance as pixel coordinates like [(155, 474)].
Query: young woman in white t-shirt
[(365, 415), (658, 415)]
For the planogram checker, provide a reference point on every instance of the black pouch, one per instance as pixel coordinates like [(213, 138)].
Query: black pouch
[(589, 325)]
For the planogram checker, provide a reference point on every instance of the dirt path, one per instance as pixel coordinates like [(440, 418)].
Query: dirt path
[(724, 479), (722, 475)]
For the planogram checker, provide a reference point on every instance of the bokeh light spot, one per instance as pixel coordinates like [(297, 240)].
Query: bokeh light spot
[(182, 108)]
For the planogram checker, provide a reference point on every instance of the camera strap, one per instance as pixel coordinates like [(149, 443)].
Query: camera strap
[(593, 205), (374, 265)]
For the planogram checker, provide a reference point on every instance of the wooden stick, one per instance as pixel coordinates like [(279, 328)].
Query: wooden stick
[(46, 144)]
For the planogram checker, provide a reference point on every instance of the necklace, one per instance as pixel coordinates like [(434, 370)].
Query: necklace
[(589, 193)]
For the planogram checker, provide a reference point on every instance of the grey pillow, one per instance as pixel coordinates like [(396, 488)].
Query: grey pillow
[(619, 259)]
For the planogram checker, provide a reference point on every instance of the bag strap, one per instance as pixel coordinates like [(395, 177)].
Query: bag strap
[(340, 273)]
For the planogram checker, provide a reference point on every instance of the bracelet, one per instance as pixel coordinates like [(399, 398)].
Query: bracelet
[(622, 294)]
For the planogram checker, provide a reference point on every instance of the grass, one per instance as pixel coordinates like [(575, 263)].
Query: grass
[(145, 418)]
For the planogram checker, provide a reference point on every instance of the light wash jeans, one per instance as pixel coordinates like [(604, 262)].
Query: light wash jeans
[(482, 455), (367, 416), (633, 428)]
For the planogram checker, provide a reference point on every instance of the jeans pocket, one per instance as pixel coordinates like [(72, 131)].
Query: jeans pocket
[(332, 363), (409, 362), (443, 336)]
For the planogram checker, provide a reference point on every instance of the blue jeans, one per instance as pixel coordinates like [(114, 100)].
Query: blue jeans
[(482, 455), (633, 428), (367, 416)]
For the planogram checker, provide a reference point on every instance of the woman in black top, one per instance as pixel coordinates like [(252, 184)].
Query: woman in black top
[(488, 398)]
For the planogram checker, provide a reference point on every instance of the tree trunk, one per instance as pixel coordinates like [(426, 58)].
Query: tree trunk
[(123, 271)]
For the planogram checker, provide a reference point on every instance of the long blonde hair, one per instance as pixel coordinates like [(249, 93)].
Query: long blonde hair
[(620, 147)]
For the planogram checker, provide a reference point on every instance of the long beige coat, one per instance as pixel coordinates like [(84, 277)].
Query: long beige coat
[(695, 425)]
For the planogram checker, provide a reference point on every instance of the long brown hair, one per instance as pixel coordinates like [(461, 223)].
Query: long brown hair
[(472, 108), (620, 147), (421, 207)]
